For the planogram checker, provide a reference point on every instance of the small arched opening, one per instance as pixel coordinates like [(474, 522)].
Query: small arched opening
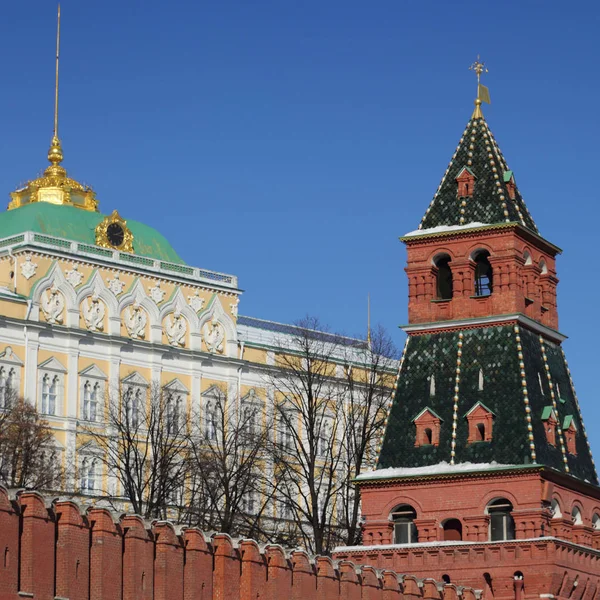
[(452, 530), (446, 578), (428, 436), (483, 274), (576, 516), (555, 509), (596, 521), (480, 432), (405, 530), (444, 284), (502, 524)]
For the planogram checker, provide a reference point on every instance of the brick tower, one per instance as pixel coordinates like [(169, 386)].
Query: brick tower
[(485, 475)]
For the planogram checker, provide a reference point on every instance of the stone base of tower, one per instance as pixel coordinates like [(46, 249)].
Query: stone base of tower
[(512, 531)]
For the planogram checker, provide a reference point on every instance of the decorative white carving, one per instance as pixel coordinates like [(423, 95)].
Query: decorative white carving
[(53, 304), (73, 276), (28, 268), (195, 301), (135, 321), (156, 293), (175, 329), (115, 285), (214, 336), (234, 308), (93, 313)]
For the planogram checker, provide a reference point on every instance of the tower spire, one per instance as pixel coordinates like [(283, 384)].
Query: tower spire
[(56, 84), (369, 321), (55, 154), (483, 94)]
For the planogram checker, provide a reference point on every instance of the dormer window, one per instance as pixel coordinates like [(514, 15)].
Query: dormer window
[(466, 183), (550, 422), (570, 431), (427, 424), (481, 422), (509, 182)]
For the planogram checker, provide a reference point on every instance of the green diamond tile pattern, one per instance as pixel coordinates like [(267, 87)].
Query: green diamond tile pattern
[(478, 146), (494, 352)]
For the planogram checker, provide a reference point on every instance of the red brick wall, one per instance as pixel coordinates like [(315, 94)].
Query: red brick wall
[(518, 287), (53, 551), (565, 550)]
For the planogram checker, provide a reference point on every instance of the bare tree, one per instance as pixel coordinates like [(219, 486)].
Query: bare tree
[(144, 445), (305, 446), (28, 456), (226, 466), (370, 372)]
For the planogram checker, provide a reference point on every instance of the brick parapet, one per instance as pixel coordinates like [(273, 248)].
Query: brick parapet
[(90, 555)]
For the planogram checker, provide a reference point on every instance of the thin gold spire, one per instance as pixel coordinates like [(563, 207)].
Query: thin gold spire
[(55, 154), (369, 321), (483, 94)]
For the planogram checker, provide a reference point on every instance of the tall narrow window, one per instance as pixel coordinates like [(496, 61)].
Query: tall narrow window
[(483, 274), (405, 530), (480, 381), (444, 278), (480, 435), (428, 439), (7, 386), (432, 385), (173, 413), (49, 394), (91, 397), (502, 524), (211, 422)]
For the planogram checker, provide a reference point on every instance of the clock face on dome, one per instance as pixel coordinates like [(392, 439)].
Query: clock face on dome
[(115, 234)]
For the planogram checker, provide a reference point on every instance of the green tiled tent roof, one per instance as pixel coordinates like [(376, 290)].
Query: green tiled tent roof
[(494, 351), (491, 203), (79, 226)]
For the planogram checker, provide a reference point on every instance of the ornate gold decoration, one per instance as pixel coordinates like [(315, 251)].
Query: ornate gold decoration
[(55, 187), (102, 235), (483, 94)]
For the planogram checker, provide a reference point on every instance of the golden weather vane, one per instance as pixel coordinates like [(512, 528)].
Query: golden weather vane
[(483, 94)]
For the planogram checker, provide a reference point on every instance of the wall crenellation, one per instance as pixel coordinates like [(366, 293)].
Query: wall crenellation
[(54, 550)]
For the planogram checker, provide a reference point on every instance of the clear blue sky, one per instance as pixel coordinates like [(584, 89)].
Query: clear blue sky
[(291, 143)]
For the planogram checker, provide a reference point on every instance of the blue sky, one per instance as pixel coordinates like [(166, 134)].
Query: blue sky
[(291, 143)]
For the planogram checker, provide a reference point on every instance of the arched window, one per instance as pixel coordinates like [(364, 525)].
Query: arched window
[(480, 432), (483, 274), (452, 530), (89, 474), (211, 422), (555, 509), (49, 393), (405, 530), (428, 436), (173, 413), (502, 525), (444, 278), (596, 521), (446, 578), (576, 516)]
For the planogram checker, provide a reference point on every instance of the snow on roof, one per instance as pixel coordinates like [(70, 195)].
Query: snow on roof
[(443, 228), (442, 468)]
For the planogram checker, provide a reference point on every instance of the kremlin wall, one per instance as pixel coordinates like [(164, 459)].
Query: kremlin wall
[(53, 551)]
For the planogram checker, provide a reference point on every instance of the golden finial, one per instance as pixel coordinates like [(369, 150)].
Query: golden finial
[(55, 187), (483, 94)]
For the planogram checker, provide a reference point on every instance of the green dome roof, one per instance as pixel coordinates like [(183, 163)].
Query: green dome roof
[(79, 225)]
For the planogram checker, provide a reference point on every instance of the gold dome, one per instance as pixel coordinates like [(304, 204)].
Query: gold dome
[(55, 187)]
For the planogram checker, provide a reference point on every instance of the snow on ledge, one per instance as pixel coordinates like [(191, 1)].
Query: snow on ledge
[(443, 229), (440, 543), (442, 468)]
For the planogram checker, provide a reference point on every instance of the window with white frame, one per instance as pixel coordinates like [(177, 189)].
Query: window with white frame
[(284, 430), (8, 376), (285, 509), (51, 380), (134, 396), (248, 503), (174, 407), (210, 421), (89, 474), (92, 389), (323, 438)]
